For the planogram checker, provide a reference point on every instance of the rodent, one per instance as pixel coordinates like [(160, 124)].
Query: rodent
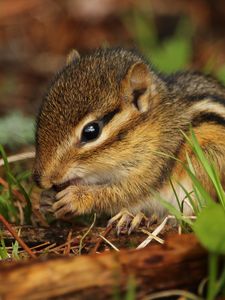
[(103, 123)]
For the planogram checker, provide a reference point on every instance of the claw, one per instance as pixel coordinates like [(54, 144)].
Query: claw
[(136, 222), (46, 201), (151, 220), (57, 205), (118, 216), (123, 219), (123, 223), (127, 222)]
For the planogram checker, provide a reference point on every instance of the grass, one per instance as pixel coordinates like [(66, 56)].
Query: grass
[(3, 251), (209, 226), (9, 252), (14, 195), (86, 233)]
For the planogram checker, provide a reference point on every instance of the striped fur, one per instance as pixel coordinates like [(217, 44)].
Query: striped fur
[(143, 115)]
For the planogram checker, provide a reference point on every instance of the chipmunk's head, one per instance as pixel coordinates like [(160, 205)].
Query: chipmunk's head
[(91, 125)]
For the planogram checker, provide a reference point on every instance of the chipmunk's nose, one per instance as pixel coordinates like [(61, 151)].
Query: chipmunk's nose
[(37, 180), (40, 182)]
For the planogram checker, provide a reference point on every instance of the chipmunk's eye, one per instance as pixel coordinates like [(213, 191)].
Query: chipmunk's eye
[(91, 131)]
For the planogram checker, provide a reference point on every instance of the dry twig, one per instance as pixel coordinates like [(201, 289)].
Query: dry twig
[(99, 241), (18, 157), (15, 235)]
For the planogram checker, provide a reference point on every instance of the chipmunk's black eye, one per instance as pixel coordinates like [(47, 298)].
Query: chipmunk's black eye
[(91, 131)]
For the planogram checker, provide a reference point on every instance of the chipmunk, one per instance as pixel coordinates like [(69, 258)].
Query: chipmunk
[(105, 120)]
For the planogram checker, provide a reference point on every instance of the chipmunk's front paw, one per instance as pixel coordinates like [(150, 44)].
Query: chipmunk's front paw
[(126, 221), (73, 200), (46, 201)]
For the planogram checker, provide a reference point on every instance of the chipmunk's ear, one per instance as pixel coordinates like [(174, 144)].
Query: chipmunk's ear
[(137, 86), (72, 56)]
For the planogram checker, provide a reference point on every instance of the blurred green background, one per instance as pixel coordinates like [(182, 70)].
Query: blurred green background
[(36, 36)]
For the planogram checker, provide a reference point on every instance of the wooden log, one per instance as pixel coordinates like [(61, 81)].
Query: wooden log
[(179, 263)]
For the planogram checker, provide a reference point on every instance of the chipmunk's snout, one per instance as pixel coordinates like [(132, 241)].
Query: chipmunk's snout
[(43, 179), (41, 182), (37, 179)]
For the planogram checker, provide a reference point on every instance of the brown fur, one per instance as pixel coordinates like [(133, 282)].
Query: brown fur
[(123, 166)]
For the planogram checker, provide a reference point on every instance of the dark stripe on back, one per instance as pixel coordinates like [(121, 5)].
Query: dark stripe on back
[(213, 98), (204, 117), (208, 118)]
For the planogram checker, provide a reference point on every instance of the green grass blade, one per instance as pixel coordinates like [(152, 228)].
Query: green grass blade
[(173, 210), (23, 175), (3, 250), (15, 250), (209, 168), (213, 270), (131, 289), (28, 208), (188, 196), (221, 282), (204, 194), (7, 169), (176, 196)]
